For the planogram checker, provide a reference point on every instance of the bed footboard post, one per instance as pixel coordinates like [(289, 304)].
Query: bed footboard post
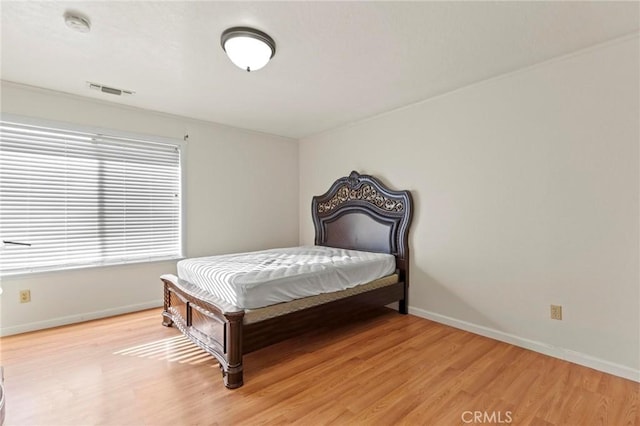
[(166, 316), (232, 372)]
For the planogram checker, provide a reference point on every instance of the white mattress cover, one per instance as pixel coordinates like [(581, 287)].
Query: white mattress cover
[(262, 278)]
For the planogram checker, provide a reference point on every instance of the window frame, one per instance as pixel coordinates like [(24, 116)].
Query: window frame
[(145, 137)]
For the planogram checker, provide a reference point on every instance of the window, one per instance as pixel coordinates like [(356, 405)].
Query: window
[(86, 197)]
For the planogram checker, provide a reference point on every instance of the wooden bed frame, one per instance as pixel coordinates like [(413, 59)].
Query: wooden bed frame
[(357, 212)]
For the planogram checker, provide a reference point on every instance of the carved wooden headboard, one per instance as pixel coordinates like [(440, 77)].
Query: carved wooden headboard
[(359, 212)]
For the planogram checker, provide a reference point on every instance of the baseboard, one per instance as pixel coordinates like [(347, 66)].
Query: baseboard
[(72, 319), (543, 348)]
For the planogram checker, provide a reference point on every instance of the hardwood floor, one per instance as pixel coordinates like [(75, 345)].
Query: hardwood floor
[(393, 369)]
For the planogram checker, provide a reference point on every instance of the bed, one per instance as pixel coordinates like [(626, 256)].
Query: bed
[(358, 213)]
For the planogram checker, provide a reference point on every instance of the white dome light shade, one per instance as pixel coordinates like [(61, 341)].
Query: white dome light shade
[(247, 48), (248, 53)]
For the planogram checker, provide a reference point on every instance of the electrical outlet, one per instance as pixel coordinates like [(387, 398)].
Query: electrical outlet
[(556, 312), (25, 296)]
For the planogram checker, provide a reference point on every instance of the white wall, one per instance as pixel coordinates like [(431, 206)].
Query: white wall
[(231, 206), (526, 191)]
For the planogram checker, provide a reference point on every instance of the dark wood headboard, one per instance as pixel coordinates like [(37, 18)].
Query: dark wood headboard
[(359, 212)]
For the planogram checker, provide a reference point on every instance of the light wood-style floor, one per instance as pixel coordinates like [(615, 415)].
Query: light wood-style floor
[(394, 369)]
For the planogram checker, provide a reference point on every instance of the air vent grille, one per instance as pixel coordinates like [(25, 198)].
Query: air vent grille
[(109, 90)]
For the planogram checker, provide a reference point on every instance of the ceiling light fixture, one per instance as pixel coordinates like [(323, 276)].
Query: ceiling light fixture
[(248, 48)]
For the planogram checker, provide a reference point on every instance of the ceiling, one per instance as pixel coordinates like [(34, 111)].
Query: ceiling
[(336, 62)]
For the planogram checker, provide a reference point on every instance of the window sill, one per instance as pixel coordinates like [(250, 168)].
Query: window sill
[(76, 268)]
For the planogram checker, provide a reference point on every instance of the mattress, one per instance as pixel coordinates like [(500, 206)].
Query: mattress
[(272, 311), (258, 279)]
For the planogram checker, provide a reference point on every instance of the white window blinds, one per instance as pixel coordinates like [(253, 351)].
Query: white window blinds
[(82, 198)]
